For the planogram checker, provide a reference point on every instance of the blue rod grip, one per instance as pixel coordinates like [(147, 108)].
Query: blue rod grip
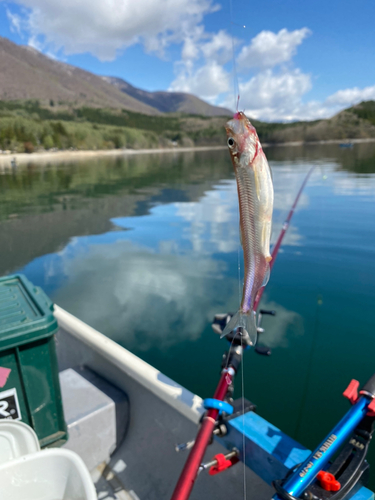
[(306, 473), (216, 404)]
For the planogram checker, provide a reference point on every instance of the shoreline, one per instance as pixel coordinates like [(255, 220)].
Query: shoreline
[(61, 156)]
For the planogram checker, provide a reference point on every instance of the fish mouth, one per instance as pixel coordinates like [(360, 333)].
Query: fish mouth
[(238, 125)]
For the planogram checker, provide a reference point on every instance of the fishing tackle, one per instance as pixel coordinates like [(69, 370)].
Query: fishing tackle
[(335, 481), (209, 421)]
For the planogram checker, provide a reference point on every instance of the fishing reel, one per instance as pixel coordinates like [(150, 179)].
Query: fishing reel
[(221, 320)]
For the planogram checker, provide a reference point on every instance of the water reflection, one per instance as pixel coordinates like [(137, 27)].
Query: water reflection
[(42, 208), (283, 332), (139, 297), (158, 273), (359, 159), (354, 186), (146, 250)]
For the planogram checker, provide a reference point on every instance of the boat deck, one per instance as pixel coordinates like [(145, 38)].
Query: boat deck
[(129, 418), (145, 464)]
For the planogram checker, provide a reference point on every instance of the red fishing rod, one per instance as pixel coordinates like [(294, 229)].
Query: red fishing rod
[(189, 473)]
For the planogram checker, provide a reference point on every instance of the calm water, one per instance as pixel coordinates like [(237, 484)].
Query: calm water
[(146, 250)]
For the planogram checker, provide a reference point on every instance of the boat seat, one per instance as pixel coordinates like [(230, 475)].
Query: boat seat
[(96, 413)]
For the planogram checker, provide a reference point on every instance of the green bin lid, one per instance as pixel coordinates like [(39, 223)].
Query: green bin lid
[(26, 313)]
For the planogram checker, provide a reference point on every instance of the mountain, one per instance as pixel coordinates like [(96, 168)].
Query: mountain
[(364, 110), (169, 102), (357, 122), (26, 73)]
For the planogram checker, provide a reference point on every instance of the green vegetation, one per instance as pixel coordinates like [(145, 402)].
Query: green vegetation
[(27, 126), (365, 110)]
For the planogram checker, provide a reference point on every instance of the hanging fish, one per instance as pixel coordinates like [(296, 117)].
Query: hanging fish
[(255, 195)]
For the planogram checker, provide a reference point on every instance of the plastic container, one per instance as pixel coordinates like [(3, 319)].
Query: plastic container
[(53, 474), (16, 439), (29, 383)]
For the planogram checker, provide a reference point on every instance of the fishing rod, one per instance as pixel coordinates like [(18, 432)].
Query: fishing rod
[(217, 405), (284, 229), (341, 477)]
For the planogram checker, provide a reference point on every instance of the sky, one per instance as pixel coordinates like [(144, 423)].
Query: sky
[(286, 59)]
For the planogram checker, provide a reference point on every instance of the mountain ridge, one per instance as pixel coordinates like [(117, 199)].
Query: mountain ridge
[(26, 73), (169, 102)]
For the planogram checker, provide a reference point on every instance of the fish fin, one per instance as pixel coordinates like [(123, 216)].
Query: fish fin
[(266, 275), (268, 258), (247, 322)]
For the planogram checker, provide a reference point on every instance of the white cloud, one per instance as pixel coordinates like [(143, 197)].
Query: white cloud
[(207, 82), (274, 90), (268, 49), (351, 96), (273, 96), (15, 22), (201, 70), (102, 27), (35, 43), (269, 90), (279, 96), (219, 48), (190, 49), (267, 95)]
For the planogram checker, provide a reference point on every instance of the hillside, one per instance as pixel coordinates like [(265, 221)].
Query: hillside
[(169, 102), (365, 111), (357, 122), (30, 126), (27, 74)]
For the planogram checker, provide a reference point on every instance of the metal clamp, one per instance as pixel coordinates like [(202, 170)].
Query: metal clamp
[(221, 462)]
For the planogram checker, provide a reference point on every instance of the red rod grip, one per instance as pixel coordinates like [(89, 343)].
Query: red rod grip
[(189, 473)]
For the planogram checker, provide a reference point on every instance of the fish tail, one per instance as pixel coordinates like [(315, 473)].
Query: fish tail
[(247, 322)]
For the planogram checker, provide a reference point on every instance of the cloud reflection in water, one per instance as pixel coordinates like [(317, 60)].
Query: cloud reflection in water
[(137, 296), (163, 280)]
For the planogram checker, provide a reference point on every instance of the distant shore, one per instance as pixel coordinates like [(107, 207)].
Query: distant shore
[(61, 156)]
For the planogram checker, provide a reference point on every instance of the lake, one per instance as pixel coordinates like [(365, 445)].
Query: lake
[(146, 250)]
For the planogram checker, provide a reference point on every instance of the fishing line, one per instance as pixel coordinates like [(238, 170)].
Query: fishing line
[(236, 91), (236, 88), (319, 302), (239, 273), (243, 424)]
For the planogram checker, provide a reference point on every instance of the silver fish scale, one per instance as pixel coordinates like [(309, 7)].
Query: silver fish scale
[(250, 232)]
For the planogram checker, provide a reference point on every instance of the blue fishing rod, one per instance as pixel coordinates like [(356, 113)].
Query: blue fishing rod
[(342, 475)]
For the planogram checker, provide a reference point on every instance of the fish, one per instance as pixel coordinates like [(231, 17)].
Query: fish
[(255, 196)]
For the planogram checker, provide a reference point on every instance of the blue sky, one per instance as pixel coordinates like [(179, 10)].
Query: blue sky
[(294, 60)]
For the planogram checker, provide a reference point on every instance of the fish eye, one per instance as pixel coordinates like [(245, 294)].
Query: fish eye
[(231, 142)]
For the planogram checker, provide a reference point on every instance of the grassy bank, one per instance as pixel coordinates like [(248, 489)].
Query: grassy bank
[(26, 126)]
